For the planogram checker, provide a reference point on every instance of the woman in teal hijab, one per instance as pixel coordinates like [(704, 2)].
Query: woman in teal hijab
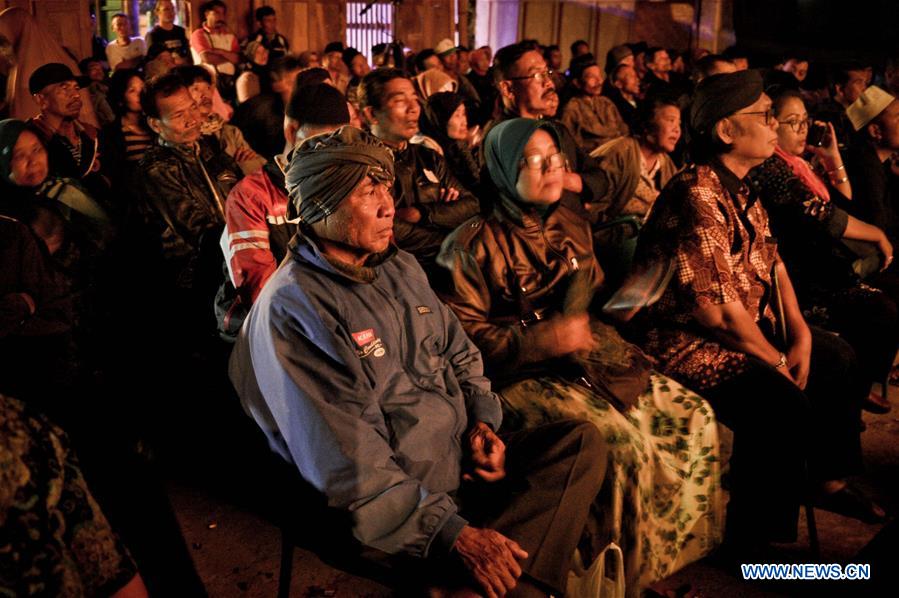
[(522, 281)]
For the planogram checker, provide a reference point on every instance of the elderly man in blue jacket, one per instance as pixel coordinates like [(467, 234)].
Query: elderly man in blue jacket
[(363, 379)]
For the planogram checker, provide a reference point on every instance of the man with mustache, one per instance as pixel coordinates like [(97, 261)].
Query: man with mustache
[(430, 201), (186, 179), (526, 89), (71, 145), (199, 83), (212, 43)]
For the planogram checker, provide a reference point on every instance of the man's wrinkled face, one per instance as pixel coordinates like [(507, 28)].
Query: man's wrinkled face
[(534, 90), (202, 93), (397, 119), (363, 222), (179, 118), (60, 99)]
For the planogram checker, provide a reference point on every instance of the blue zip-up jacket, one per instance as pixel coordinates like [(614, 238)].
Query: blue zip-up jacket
[(367, 382)]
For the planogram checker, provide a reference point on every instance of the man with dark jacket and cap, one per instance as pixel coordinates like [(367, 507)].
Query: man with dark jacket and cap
[(258, 226), (366, 382), (71, 145), (728, 325), (430, 201)]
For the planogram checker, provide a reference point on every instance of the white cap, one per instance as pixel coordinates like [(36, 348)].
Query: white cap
[(872, 102), (444, 47)]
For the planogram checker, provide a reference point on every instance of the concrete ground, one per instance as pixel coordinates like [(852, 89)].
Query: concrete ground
[(237, 552)]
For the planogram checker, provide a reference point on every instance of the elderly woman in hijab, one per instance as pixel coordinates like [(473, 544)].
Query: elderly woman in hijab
[(75, 229), (522, 282), (444, 119), (729, 325)]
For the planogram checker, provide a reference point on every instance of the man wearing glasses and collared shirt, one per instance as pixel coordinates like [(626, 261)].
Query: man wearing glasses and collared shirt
[(791, 393), (525, 86)]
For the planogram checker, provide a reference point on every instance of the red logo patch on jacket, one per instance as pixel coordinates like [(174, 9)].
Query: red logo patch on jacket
[(368, 343)]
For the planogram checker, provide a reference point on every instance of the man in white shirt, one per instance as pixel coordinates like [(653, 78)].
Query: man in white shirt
[(125, 52)]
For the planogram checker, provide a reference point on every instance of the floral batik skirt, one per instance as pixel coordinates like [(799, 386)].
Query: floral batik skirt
[(661, 500)]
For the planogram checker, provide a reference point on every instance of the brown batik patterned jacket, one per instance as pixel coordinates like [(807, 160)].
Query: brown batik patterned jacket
[(711, 224)]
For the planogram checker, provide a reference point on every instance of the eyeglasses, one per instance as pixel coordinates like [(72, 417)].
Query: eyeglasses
[(797, 125), (544, 163), (541, 77), (768, 115)]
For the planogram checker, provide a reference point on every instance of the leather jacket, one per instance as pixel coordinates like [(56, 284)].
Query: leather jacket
[(183, 190), (421, 173), (511, 270)]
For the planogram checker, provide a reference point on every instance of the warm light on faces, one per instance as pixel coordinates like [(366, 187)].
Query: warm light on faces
[(792, 129), (179, 118), (165, 12), (532, 92), (28, 167), (667, 129), (132, 94), (121, 27), (202, 93), (362, 224), (457, 126), (397, 120), (60, 99), (752, 137), (540, 175), (591, 81)]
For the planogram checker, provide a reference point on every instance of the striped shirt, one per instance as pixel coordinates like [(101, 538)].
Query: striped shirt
[(136, 143)]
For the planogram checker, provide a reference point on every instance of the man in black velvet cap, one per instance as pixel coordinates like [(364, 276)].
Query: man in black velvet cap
[(729, 325)]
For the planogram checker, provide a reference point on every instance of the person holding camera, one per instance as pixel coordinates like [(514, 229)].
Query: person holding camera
[(827, 251)]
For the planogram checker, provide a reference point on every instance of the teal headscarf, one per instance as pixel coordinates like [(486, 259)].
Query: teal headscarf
[(504, 149), (10, 129)]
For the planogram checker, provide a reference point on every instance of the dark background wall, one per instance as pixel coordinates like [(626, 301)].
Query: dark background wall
[(826, 30)]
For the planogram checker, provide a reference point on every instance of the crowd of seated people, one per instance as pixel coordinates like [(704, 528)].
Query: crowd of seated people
[(398, 270)]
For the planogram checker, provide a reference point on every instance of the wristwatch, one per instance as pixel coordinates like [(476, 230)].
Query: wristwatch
[(781, 363)]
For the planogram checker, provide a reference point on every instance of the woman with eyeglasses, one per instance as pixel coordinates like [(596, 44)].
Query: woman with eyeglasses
[(522, 281), (729, 325), (828, 252)]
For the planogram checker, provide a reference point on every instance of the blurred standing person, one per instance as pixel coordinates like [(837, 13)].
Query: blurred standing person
[(165, 36), (213, 44), (267, 33), (124, 52)]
